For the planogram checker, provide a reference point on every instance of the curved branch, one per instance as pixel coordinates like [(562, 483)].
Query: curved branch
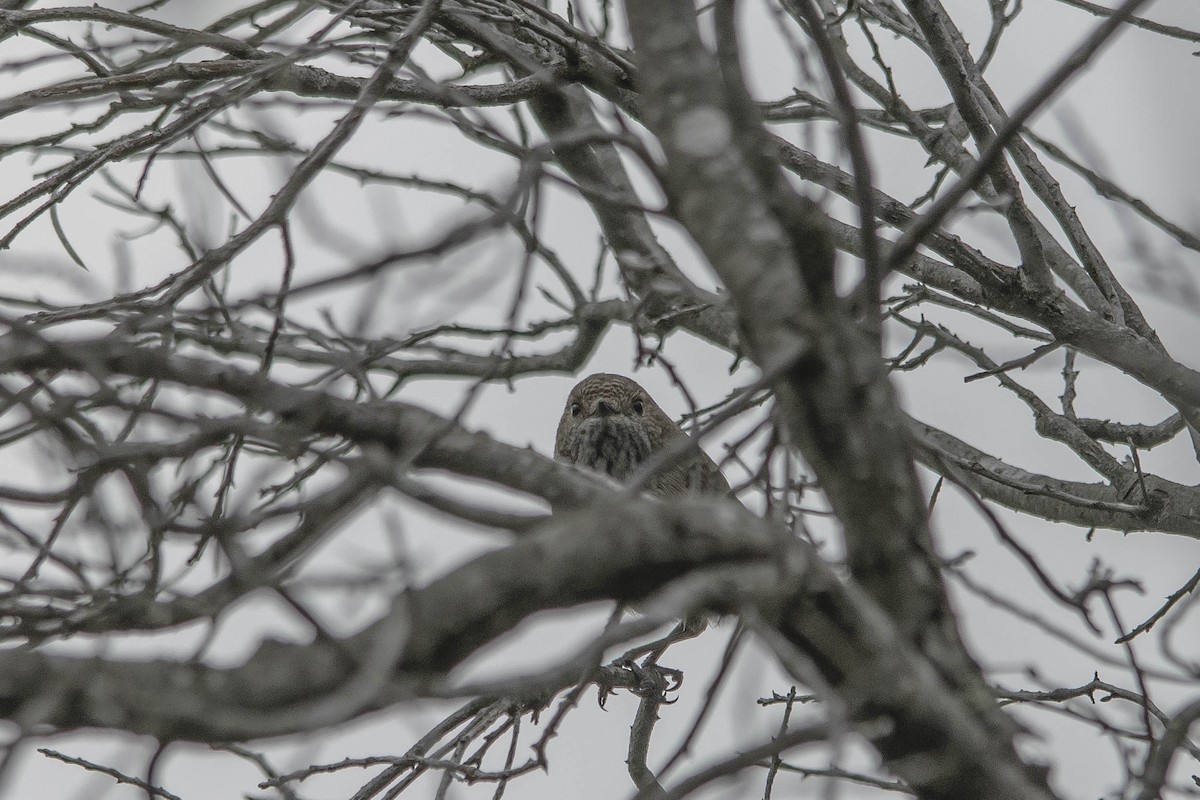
[(1168, 506), (616, 549)]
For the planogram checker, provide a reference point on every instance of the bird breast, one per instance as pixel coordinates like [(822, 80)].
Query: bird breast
[(614, 445)]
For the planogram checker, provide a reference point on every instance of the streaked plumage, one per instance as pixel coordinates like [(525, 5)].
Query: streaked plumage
[(611, 425)]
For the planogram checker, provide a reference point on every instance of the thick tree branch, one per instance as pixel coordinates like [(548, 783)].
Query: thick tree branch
[(618, 550), (1167, 506), (833, 395)]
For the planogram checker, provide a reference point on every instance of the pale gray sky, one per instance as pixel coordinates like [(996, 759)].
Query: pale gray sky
[(1133, 114)]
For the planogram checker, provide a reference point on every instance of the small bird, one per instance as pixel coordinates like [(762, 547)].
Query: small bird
[(611, 425)]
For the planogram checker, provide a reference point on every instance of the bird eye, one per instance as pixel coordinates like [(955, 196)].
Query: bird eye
[(638, 406), (575, 409)]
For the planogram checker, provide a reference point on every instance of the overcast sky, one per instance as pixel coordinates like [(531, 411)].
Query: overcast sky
[(1134, 114)]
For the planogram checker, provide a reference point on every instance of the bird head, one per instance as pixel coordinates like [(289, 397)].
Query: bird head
[(610, 425)]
